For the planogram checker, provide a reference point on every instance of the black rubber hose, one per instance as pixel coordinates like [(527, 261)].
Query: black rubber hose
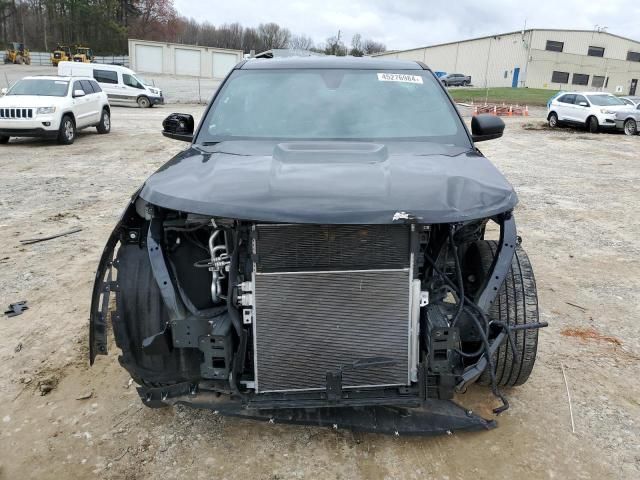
[(231, 283), (456, 260), (238, 358)]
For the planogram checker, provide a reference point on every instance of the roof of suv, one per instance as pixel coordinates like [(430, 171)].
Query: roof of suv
[(330, 62), (56, 77), (586, 93)]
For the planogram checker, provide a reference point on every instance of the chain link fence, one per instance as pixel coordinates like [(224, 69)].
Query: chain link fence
[(44, 59)]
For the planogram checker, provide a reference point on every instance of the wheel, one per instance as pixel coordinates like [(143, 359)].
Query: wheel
[(553, 120), (27, 60), (142, 313), (105, 122), (630, 127), (592, 125), (515, 304), (19, 60), (4, 140), (465, 84), (67, 131), (143, 102)]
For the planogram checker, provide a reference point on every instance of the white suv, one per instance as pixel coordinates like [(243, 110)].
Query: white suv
[(590, 109), (53, 107)]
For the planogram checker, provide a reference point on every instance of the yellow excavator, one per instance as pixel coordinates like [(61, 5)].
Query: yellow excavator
[(17, 53), (62, 53), (83, 55)]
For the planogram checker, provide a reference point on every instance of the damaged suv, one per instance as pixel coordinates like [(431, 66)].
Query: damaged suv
[(321, 254)]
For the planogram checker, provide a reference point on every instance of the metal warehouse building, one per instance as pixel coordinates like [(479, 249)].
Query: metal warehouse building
[(553, 59)]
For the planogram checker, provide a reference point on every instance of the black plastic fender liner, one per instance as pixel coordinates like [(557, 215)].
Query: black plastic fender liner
[(103, 285), (102, 288)]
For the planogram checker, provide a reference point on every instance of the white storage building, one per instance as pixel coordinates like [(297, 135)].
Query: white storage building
[(177, 59), (536, 58)]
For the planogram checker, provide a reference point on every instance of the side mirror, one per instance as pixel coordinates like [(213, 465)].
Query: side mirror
[(78, 93), (486, 127), (583, 104), (4, 91), (178, 126)]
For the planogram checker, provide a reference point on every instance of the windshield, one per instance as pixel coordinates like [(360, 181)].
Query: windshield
[(40, 87), (141, 80), (323, 104), (605, 100)]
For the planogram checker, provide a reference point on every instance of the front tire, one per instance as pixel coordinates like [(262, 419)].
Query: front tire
[(67, 131), (553, 120), (105, 122), (515, 304), (630, 127), (143, 102), (592, 125)]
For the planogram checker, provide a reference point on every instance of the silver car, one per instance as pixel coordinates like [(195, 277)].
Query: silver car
[(627, 120)]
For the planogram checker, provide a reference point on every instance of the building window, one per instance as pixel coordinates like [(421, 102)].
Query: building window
[(580, 79), (596, 52), (560, 77), (633, 56), (554, 46), (597, 81)]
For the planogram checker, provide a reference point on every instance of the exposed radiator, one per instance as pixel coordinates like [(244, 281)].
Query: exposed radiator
[(327, 296)]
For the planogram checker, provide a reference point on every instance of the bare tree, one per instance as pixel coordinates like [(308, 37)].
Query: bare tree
[(300, 42), (334, 46), (371, 46), (357, 49), (273, 35)]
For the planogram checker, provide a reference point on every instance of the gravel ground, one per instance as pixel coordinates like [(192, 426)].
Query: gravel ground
[(579, 197)]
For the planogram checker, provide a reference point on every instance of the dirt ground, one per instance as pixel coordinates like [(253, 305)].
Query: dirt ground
[(578, 216)]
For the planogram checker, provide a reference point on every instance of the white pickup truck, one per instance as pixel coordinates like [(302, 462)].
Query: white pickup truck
[(53, 107)]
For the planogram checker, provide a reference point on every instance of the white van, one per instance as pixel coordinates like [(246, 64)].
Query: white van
[(122, 86)]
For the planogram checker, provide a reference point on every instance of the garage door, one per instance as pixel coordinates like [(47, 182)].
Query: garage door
[(148, 59), (222, 63), (187, 62)]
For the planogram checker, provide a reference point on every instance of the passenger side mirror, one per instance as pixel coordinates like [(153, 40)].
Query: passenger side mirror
[(486, 127), (78, 93), (4, 91), (178, 126), (583, 104)]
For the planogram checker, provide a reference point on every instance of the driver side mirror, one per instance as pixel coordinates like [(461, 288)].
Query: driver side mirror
[(178, 126), (4, 91), (78, 93), (486, 127), (583, 104)]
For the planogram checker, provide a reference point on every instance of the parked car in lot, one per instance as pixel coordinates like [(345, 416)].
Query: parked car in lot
[(455, 79), (631, 101), (122, 85), (628, 120), (317, 254), (588, 109), (53, 107)]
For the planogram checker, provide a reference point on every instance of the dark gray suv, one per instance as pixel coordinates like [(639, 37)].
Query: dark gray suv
[(320, 254)]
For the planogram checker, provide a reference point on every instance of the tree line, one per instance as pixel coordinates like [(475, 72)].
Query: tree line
[(105, 25)]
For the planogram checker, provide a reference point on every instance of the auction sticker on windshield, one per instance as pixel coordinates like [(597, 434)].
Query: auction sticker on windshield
[(399, 77)]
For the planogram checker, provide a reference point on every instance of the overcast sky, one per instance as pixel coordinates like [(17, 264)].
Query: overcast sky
[(402, 24)]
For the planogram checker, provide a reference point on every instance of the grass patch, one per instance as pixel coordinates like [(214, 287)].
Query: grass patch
[(521, 96)]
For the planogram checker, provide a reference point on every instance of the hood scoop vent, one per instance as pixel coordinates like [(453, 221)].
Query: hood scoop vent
[(330, 152)]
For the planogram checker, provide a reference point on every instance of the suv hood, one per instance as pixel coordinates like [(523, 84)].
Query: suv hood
[(332, 182), (30, 101)]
